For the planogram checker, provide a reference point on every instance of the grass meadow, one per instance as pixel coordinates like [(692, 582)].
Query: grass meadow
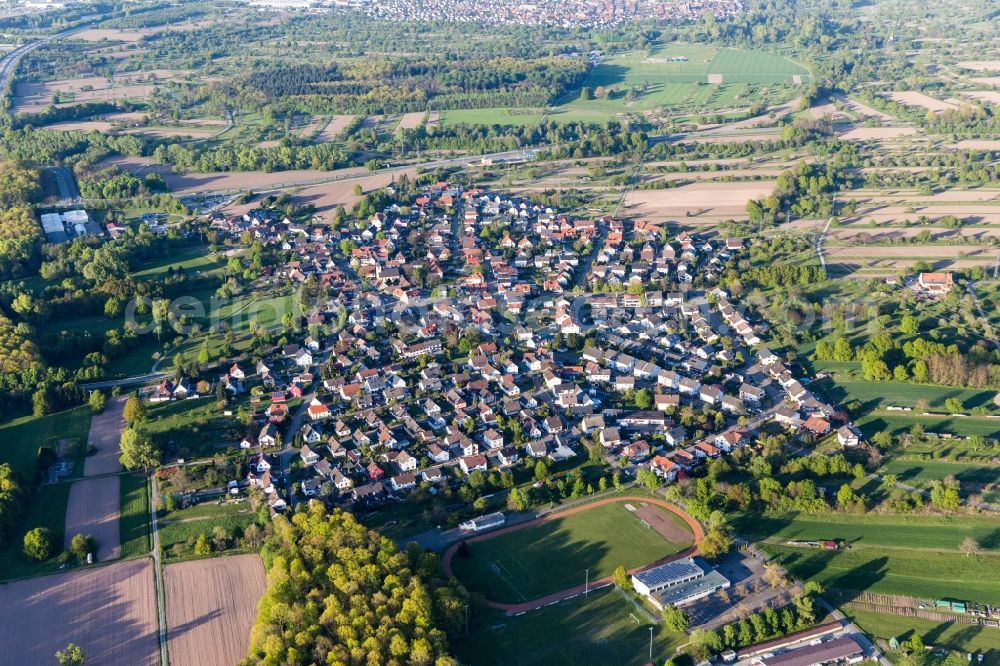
[(134, 517), (917, 556)]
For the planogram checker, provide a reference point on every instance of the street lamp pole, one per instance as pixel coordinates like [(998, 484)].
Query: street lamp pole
[(650, 644), (586, 584)]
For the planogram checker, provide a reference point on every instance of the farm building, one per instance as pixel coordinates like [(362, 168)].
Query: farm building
[(678, 583)]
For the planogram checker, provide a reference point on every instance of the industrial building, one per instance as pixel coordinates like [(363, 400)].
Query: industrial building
[(63, 227), (678, 583), (844, 649)]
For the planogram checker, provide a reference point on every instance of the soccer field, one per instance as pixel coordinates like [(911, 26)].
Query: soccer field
[(554, 555)]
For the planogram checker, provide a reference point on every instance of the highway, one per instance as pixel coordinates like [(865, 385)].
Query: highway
[(8, 64)]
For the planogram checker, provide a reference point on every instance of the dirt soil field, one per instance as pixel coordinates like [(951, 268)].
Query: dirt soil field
[(109, 611), (211, 606), (81, 126), (411, 120), (980, 65), (166, 132), (93, 509), (877, 133), (913, 98), (669, 528), (976, 144), (105, 434), (333, 129), (713, 199), (991, 96)]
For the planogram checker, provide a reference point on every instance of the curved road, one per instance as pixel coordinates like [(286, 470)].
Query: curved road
[(695, 527)]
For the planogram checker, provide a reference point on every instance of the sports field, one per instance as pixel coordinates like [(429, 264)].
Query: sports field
[(604, 628), (914, 556), (554, 555)]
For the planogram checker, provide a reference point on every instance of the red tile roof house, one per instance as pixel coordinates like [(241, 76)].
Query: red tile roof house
[(471, 463), (938, 283), (664, 467), (816, 425)]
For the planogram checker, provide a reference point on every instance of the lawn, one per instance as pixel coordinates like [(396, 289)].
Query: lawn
[(46, 508), (597, 630), (21, 438), (948, 635), (134, 519), (551, 556), (195, 259)]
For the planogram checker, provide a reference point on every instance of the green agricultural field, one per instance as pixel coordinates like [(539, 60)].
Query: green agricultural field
[(898, 423), (879, 395), (919, 532), (597, 630), (134, 519), (947, 635), (21, 438), (552, 556), (911, 555), (495, 116), (921, 473), (926, 574)]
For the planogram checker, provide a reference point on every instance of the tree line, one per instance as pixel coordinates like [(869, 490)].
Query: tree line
[(340, 593)]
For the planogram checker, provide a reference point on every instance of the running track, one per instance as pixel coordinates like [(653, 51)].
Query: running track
[(565, 594)]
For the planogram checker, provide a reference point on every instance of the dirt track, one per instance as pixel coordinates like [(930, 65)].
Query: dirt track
[(93, 509), (211, 606), (558, 596), (105, 434), (108, 611)]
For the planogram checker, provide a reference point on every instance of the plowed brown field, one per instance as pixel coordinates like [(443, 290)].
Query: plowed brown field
[(211, 606), (109, 611)]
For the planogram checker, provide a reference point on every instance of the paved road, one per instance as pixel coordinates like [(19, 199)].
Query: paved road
[(66, 183), (8, 64)]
